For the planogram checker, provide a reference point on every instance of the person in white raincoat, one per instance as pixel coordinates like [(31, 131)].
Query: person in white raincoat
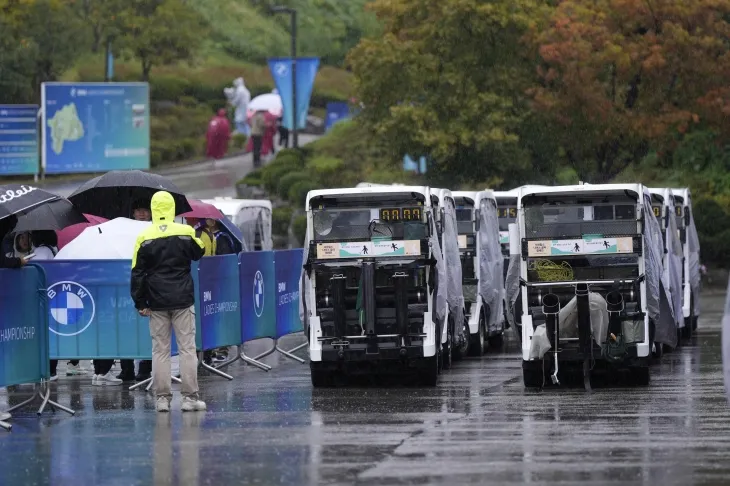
[(241, 99)]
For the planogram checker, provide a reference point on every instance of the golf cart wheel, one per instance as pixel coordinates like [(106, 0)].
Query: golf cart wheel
[(497, 341), (694, 323), (429, 374), (321, 378), (532, 375), (477, 342), (687, 329), (640, 375), (447, 357), (658, 351)]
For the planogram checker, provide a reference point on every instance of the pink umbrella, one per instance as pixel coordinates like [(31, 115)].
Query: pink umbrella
[(70, 232), (202, 210)]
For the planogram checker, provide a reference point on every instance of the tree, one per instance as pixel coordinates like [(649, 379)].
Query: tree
[(161, 32), (621, 77), (101, 18), (447, 79)]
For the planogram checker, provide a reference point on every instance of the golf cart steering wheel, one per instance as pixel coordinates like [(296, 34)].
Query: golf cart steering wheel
[(373, 228)]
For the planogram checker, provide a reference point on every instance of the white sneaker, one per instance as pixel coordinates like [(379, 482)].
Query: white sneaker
[(192, 405), (4, 416), (94, 379), (107, 380), (53, 378), (72, 370), (163, 404)]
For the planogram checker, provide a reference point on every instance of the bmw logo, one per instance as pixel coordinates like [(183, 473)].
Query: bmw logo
[(258, 294), (72, 308)]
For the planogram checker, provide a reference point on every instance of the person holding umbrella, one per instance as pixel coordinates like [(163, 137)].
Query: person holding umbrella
[(162, 289)]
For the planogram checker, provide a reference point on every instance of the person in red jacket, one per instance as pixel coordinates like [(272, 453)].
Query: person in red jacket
[(218, 135)]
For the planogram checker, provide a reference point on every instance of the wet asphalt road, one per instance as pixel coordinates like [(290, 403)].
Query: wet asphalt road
[(200, 181), (478, 426)]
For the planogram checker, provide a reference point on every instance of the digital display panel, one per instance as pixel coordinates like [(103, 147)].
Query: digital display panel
[(506, 212), (657, 211), (678, 211), (400, 214)]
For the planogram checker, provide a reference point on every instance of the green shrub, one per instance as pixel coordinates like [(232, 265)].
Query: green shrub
[(273, 172), (325, 167), (290, 155), (298, 192), (168, 88), (289, 180), (253, 178), (238, 141), (299, 227), (281, 217)]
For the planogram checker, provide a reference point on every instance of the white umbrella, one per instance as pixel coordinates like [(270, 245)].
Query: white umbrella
[(113, 240), (270, 102)]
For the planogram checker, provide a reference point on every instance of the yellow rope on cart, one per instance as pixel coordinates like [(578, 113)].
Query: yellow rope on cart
[(550, 271)]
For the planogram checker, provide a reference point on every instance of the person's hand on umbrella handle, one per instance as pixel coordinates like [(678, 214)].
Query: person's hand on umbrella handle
[(23, 261), (144, 312)]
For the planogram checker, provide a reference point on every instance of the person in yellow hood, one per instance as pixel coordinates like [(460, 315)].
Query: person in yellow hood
[(163, 290)]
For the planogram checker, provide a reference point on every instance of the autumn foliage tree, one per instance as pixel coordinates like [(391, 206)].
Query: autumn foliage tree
[(618, 78), (447, 79)]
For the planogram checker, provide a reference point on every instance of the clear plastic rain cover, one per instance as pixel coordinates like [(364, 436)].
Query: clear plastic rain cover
[(726, 342), (452, 257), (491, 263), (304, 280), (255, 221), (658, 300), (512, 280), (693, 250), (674, 263)]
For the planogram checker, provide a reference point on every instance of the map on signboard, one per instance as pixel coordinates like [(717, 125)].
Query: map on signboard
[(65, 127)]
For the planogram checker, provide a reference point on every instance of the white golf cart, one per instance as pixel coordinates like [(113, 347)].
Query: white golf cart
[(481, 267), (662, 202), (591, 271), (691, 258), (374, 283), (252, 217)]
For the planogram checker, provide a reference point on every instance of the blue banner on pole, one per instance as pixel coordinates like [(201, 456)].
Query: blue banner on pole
[(219, 294), (95, 127), (23, 326), (258, 295), (18, 139), (336, 112), (288, 265), (281, 71)]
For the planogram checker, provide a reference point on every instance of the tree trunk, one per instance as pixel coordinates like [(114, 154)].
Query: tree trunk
[(146, 68)]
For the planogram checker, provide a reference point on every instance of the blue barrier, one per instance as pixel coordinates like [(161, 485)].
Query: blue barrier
[(258, 294), (218, 298), (336, 112), (92, 314), (288, 264), (23, 323)]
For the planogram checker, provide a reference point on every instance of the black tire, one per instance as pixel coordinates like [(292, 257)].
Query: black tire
[(447, 355), (429, 374), (532, 377), (320, 378), (461, 352), (694, 322), (640, 375), (686, 331), (478, 341), (658, 350), (497, 341)]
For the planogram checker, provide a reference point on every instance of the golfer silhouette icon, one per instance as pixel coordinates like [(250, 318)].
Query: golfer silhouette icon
[(395, 247), (577, 248), (364, 250), (605, 244)]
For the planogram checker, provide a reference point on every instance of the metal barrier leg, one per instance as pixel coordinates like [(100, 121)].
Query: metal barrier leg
[(45, 397), (229, 362), (266, 353), (253, 362), (148, 382), (211, 368), (5, 425), (289, 354)]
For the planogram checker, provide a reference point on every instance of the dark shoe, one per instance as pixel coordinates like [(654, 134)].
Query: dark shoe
[(143, 376), (125, 376)]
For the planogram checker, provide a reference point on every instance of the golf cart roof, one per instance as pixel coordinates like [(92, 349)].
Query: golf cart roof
[(597, 189), (475, 196), (662, 194), (684, 193), (354, 191), (230, 206)]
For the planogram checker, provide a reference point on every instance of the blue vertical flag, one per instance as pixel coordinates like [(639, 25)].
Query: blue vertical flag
[(281, 71)]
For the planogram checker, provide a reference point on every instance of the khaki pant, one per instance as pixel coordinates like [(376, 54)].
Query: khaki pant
[(161, 325)]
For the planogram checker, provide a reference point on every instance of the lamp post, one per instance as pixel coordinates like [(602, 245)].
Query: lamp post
[(293, 13)]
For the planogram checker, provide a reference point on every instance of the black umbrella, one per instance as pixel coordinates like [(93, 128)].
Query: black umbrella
[(16, 198), (54, 215), (113, 194)]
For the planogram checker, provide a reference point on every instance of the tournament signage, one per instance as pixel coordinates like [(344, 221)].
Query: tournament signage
[(593, 246), (362, 249)]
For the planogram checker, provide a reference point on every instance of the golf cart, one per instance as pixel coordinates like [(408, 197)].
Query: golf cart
[(662, 202), (481, 267), (252, 217), (691, 258), (374, 283), (591, 268), (455, 328)]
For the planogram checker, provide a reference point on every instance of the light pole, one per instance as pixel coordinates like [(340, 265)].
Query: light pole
[(293, 13)]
